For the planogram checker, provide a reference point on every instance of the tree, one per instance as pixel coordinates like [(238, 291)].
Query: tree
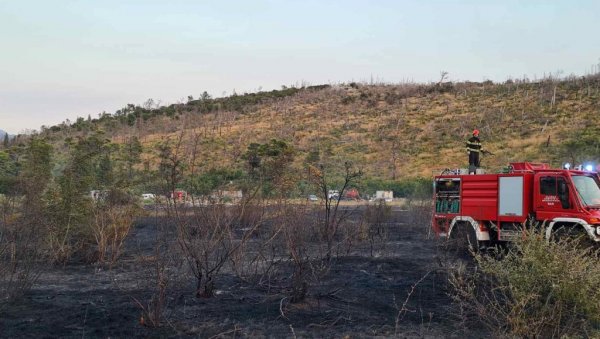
[(171, 164), (131, 119), (205, 96), (443, 76), (22, 217), (36, 174), (205, 233), (22, 225), (70, 208), (8, 177), (132, 151), (268, 163), (332, 217)]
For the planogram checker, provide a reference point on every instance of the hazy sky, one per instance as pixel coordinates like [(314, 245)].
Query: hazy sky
[(64, 59)]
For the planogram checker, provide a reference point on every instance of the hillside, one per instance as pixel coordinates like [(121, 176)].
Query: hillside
[(390, 131)]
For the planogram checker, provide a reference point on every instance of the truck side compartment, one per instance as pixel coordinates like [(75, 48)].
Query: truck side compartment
[(479, 197)]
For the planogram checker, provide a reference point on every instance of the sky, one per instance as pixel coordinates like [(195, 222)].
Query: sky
[(66, 59)]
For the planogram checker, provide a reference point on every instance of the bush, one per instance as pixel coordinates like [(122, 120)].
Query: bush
[(20, 251), (538, 289), (111, 223), (376, 217)]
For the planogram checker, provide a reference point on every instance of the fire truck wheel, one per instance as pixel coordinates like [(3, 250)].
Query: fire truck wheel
[(573, 233), (463, 240)]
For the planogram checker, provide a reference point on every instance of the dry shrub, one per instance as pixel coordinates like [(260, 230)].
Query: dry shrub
[(256, 258), (251, 214), (159, 276), (153, 310), (376, 218), (206, 240), (89, 230), (110, 227), (306, 247), (538, 289), (350, 233), (210, 235), (20, 251)]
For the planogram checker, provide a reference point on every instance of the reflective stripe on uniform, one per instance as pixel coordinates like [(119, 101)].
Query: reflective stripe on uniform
[(473, 146)]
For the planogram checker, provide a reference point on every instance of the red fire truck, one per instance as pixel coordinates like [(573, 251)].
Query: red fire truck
[(487, 209)]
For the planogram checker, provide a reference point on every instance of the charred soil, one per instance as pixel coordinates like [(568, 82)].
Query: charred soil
[(399, 291)]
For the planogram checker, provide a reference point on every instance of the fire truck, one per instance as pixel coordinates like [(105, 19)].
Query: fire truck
[(488, 209)]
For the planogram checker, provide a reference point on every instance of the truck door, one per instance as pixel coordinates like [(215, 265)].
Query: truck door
[(553, 198)]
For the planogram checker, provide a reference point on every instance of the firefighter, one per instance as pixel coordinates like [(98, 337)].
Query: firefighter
[(474, 148)]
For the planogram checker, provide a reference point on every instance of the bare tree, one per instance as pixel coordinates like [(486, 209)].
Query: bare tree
[(207, 231), (332, 216), (443, 77)]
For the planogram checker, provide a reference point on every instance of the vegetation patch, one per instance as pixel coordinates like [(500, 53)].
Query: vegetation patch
[(537, 289)]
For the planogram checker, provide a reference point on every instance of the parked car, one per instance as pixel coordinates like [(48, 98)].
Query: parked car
[(148, 196), (333, 194), (312, 197), (351, 194)]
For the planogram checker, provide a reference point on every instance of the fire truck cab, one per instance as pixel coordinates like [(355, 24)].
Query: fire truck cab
[(493, 208)]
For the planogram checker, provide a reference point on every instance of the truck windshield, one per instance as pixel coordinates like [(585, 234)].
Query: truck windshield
[(588, 189)]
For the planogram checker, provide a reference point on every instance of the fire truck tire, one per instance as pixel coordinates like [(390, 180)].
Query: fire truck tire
[(574, 232), (463, 239)]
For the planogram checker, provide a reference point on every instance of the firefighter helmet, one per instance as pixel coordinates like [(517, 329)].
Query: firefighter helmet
[(476, 132)]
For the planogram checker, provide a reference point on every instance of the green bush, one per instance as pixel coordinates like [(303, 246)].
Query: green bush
[(538, 289)]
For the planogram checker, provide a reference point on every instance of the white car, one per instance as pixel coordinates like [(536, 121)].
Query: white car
[(148, 196)]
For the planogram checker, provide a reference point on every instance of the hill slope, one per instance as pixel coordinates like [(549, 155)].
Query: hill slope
[(390, 131)]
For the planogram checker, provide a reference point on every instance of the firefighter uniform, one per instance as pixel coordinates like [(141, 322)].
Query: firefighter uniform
[(474, 148)]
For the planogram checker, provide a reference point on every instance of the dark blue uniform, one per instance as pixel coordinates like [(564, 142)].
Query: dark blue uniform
[(474, 148)]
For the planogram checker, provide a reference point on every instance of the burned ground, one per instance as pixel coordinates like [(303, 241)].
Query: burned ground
[(400, 291)]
